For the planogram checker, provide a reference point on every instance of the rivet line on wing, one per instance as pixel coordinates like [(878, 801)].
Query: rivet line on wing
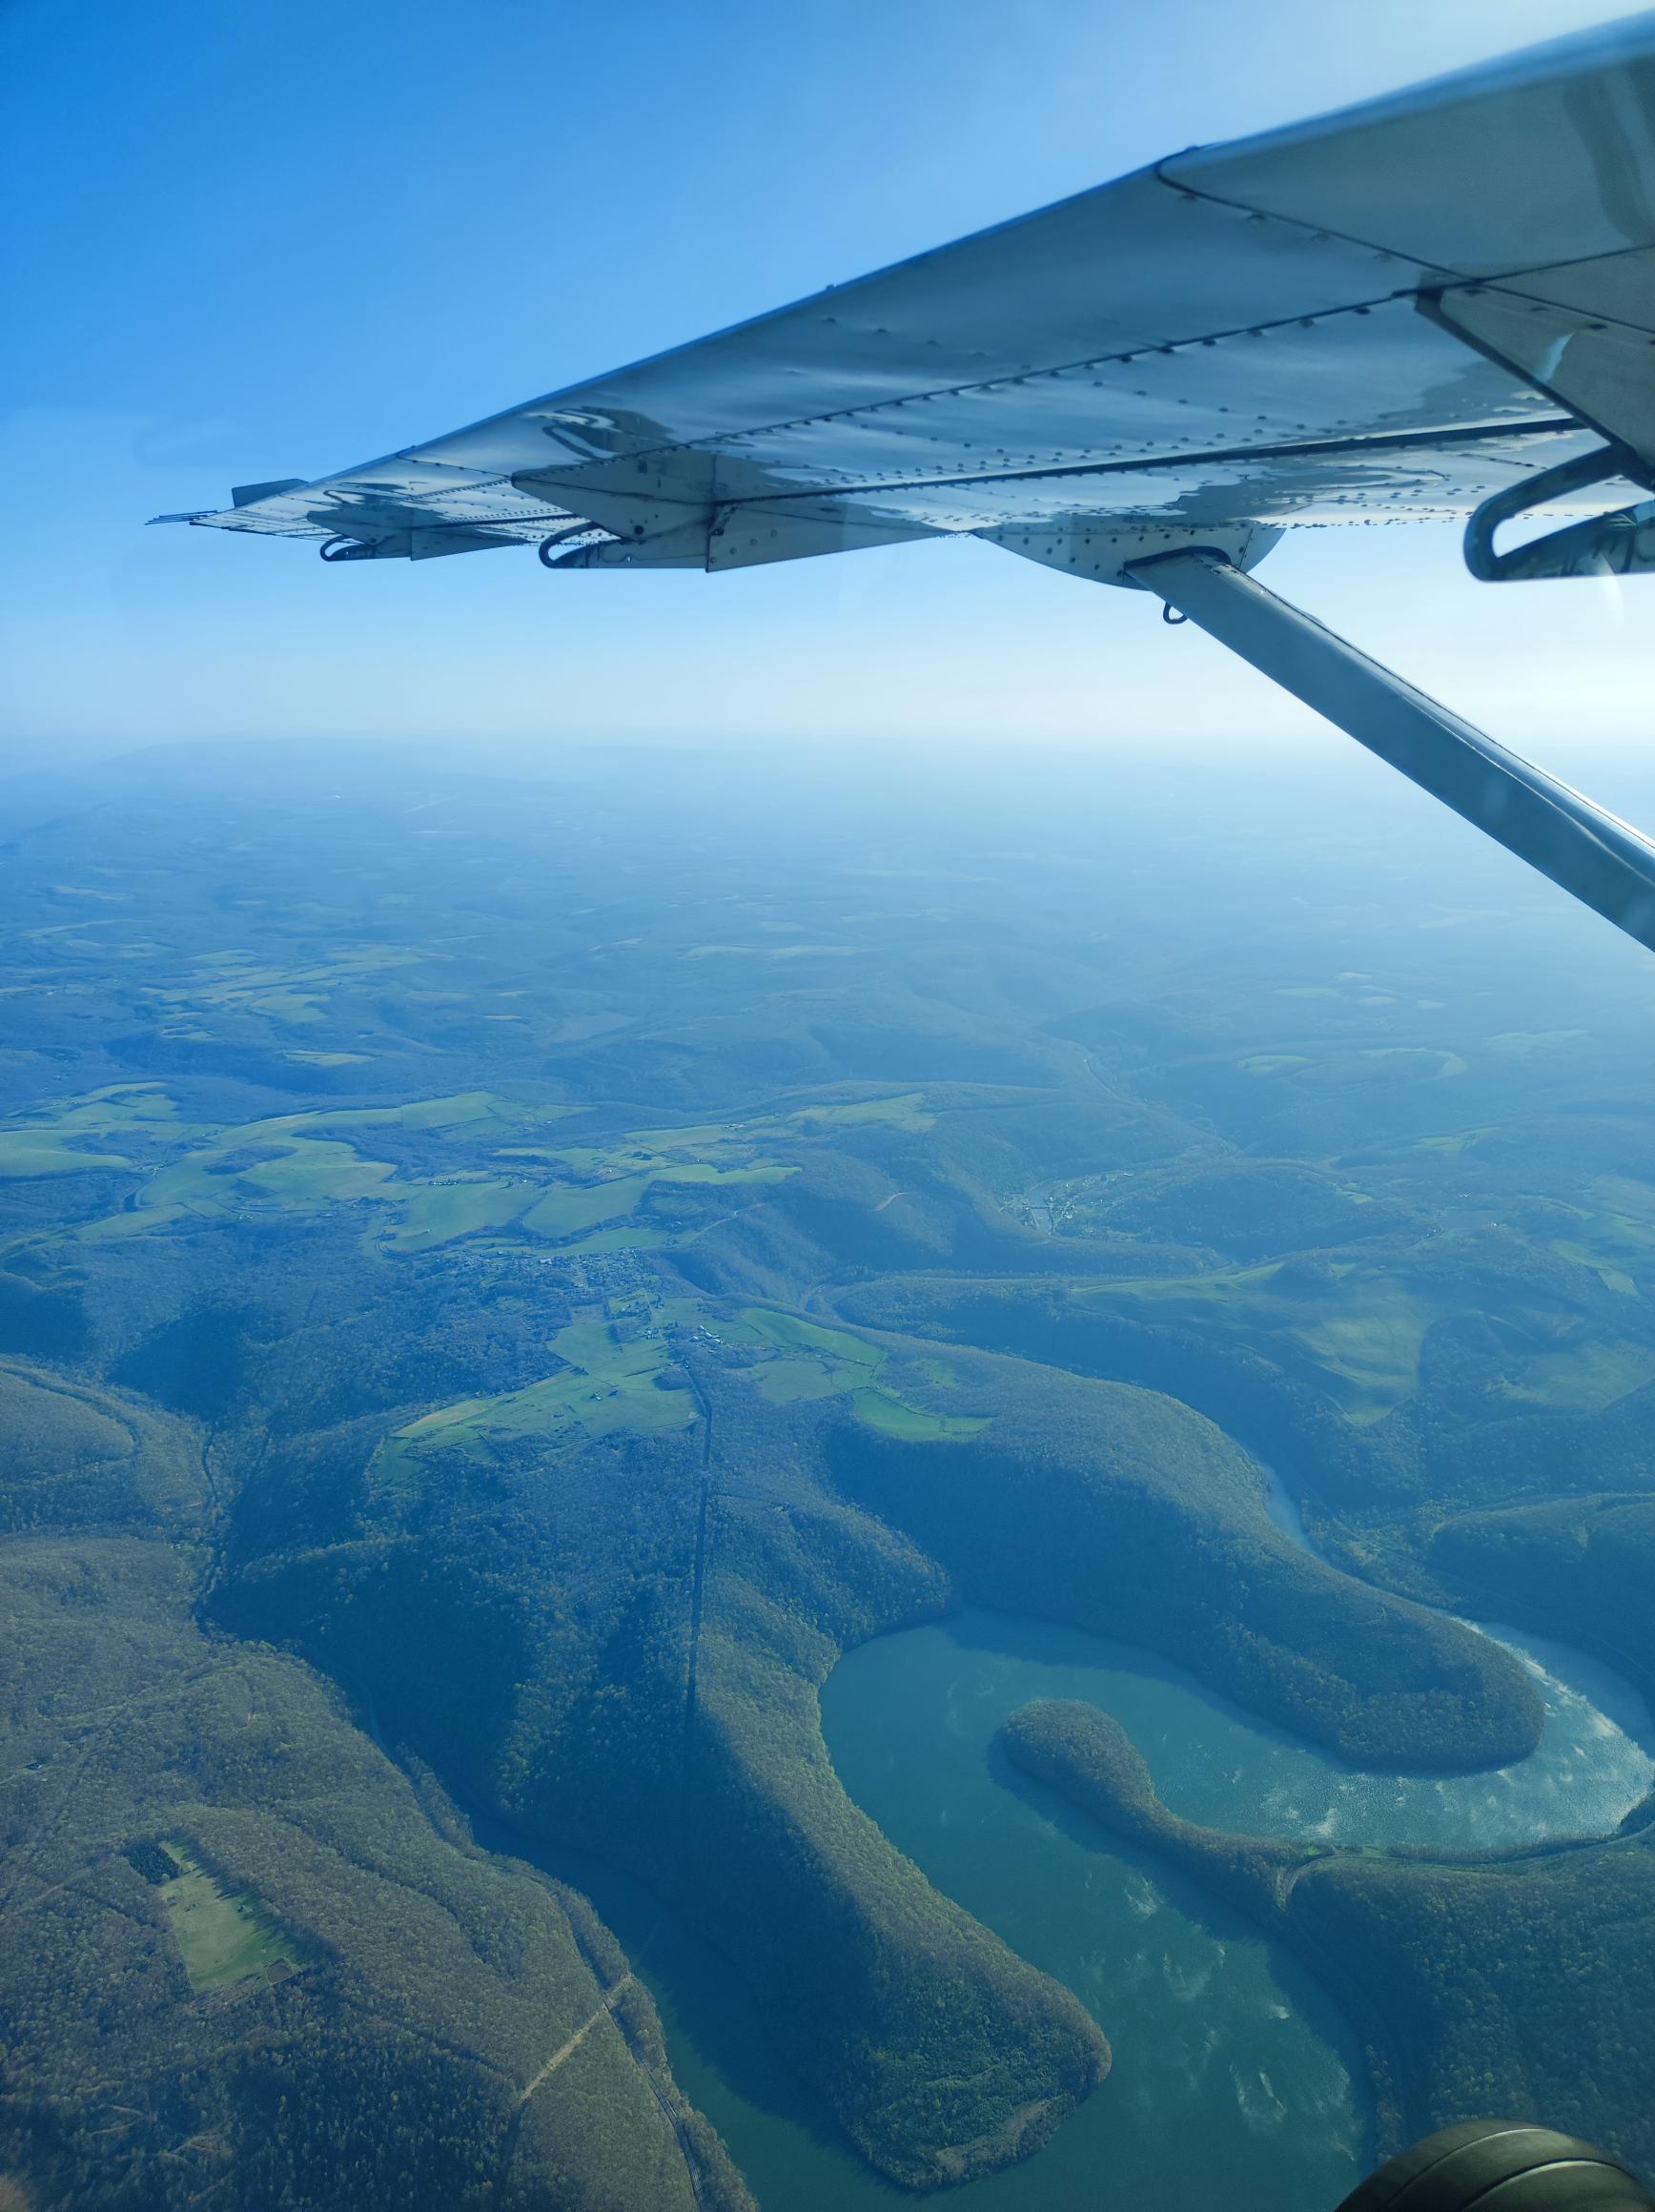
[(1436, 440), (1142, 351), (718, 442), (1309, 230)]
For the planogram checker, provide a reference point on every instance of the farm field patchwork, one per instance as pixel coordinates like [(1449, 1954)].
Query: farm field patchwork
[(298, 1164)]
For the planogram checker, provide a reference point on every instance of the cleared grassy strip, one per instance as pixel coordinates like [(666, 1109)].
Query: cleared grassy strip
[(791, 1333), (906, 1111), (44, 1141), (703, 1172), (293, 1007), (633, 1236), (461, 1414), (459, 1109), (116, 1106), (822, 1363), (40, 1152), (224, 1937), (789, 1382), (261, 1164), (1374, 1344), (436, 1214), (896, 1417), (567, 1209), (115, 1226)]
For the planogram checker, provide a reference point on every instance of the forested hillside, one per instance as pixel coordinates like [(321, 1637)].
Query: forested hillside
[(243, 1946)]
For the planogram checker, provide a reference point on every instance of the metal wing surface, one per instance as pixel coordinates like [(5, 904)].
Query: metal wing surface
[(1233, 337)]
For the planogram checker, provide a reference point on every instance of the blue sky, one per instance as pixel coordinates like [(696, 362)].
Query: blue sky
[(247, 239)]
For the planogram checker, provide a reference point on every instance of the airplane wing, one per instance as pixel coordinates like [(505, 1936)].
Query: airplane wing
[(1387, 314), (1437, 305)]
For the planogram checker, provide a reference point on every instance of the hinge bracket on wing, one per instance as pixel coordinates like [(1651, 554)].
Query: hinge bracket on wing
[(1107, 549), (1621, 544), (1597, 367)]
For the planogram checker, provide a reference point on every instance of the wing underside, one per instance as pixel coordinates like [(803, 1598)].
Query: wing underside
[(1384, 316)]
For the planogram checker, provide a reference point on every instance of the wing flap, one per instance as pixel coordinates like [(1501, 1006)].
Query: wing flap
[(1602, 370)]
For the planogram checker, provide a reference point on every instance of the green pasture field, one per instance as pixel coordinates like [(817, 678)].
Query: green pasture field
[(1585, 1255), (567, 1209), (44, 1152), (634, 1236), (434, 1214), (906, 1112), (290, 1160), (605, 1388), (1362, 1065), (581, 1196), (789, 1382), (300, 1174), (47, 1139), (912, 1424), (1630, 1205), (720, 1138), (224, 1937), (302, 1163), (793, 1333), (815, 1362), (116, 1106)]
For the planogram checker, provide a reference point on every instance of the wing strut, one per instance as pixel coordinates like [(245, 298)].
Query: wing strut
[(1601, 860)]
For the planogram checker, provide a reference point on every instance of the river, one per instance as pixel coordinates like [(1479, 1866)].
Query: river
[(1237, 2085)]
